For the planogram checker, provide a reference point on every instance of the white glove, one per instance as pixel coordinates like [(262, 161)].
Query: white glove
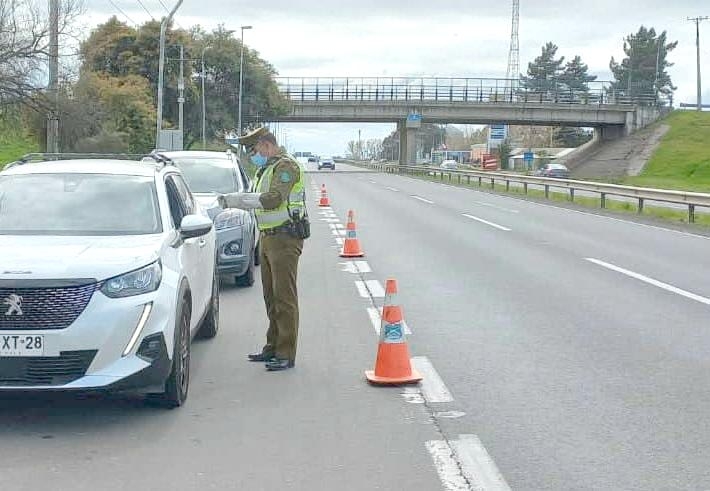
[(245, 201)]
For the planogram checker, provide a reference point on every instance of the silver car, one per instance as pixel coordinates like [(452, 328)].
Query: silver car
[(209, 174)]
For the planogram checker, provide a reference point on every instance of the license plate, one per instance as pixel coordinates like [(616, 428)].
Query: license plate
[(21, 345)]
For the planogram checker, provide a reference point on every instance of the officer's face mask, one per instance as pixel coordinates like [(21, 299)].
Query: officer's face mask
[(258, 160)]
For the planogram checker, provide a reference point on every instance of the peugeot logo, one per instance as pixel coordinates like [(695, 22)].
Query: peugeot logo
[(14, 303)]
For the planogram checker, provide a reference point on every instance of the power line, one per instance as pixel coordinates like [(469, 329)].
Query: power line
[(123, 13), (146, 10)]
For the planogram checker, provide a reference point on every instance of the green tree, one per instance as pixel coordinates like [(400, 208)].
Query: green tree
[(641, 75), (575, 76), (543, 74)]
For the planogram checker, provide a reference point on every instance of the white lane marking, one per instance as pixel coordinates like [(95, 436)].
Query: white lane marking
[(446, 466), (477, 465), (373, 181), (651, 281), (362, 289), (393, 189), (432, 386), (340, 240), (496, 207), (376, 288), (449, 414), (356, 267), (336, 226), (376, 319), (412, 395), (423, 199), (337, 232), (330, 220), (494, 225), (370, 288)]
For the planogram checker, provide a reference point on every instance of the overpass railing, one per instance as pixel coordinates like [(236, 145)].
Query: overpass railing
[(466, 90), (690, 199)]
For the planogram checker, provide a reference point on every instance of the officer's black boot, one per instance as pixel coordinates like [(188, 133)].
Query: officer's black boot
[(276, 364)]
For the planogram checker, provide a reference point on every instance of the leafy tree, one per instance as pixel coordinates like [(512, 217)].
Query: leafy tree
[(544, 72), (575, 76), (24, 47), (642, 74)]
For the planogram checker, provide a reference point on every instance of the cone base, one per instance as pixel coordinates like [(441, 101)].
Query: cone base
[(323, 204), (375, 380), (352, 254)]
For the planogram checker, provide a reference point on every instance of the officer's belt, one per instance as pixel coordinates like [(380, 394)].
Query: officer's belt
[(281, 229)]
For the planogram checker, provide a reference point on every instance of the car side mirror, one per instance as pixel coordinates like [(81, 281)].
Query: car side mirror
[(194, 226)]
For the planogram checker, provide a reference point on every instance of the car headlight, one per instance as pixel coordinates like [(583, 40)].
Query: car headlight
[(229, 219), (144, 280)]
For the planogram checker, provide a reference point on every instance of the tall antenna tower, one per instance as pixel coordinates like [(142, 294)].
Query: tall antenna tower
[(513, 72)]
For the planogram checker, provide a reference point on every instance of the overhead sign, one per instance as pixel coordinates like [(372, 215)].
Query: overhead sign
[(414, 120)]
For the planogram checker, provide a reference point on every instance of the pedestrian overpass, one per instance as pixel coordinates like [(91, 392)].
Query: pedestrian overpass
[(411, 101)]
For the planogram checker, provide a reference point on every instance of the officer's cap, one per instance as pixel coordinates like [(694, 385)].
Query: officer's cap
[(253, 137)]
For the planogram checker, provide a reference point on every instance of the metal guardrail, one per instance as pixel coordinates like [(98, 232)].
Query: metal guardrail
[(466, 90), (690, 199)]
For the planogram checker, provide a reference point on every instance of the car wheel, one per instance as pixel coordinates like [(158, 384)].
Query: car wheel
[(210, 324), (178, 382), (247, 279), (257, 257)]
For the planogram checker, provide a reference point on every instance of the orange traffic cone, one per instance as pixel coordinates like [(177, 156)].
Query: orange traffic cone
[(393, 366), (324, 201), (351, 246)]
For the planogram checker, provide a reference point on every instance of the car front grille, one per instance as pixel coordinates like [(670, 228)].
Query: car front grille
[(43, 307), (57, 370)]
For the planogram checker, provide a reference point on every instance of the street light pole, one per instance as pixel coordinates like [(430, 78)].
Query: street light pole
[(204, 105), (241, 81), (161, 67), (697, 21)]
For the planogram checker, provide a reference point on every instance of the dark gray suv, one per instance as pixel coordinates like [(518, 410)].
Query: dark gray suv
[(209, 174)]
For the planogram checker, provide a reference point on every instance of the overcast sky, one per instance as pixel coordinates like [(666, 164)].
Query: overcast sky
[(461, 38)]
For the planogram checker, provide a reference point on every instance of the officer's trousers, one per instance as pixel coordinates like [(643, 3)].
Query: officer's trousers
[(279, 256)]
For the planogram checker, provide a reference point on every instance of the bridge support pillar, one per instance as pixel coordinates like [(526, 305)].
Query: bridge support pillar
[(608, 133), (407, 143)]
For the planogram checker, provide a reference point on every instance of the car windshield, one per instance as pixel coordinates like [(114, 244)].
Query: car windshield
[(209, 175), (78, 204)]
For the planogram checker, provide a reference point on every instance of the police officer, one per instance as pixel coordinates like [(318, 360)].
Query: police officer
[(279, 204)]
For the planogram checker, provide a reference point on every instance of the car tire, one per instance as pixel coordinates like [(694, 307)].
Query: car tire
[(247, 279), (257, 257), (178, 382), (210, 324)]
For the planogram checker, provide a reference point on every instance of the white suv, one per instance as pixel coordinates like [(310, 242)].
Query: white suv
[(107, 272)]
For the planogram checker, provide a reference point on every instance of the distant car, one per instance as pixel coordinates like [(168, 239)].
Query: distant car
[(209, 174), (449, 165), (326, 163), (553, 170), (312, 159)]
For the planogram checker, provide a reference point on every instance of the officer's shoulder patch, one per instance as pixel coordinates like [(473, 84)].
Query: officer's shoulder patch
[(285, 177)]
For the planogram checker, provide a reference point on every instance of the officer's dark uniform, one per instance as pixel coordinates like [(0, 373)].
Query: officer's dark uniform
[(280, 189)]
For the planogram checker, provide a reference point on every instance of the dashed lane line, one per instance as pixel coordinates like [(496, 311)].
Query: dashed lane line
[(370, 288), (432, 386), (424, 200), (651, 281), (486, 222)]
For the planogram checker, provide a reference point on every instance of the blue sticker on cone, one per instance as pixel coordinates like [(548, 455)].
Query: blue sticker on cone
[(394, 333)]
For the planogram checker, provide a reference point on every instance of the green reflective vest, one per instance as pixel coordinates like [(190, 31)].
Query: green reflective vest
[(268, 219)]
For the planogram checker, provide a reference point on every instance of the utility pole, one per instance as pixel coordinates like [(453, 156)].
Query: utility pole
[(161, 68), (181, 90), (241, 80), (697, 21), (359, 146), (53, 117), (204, 104)]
